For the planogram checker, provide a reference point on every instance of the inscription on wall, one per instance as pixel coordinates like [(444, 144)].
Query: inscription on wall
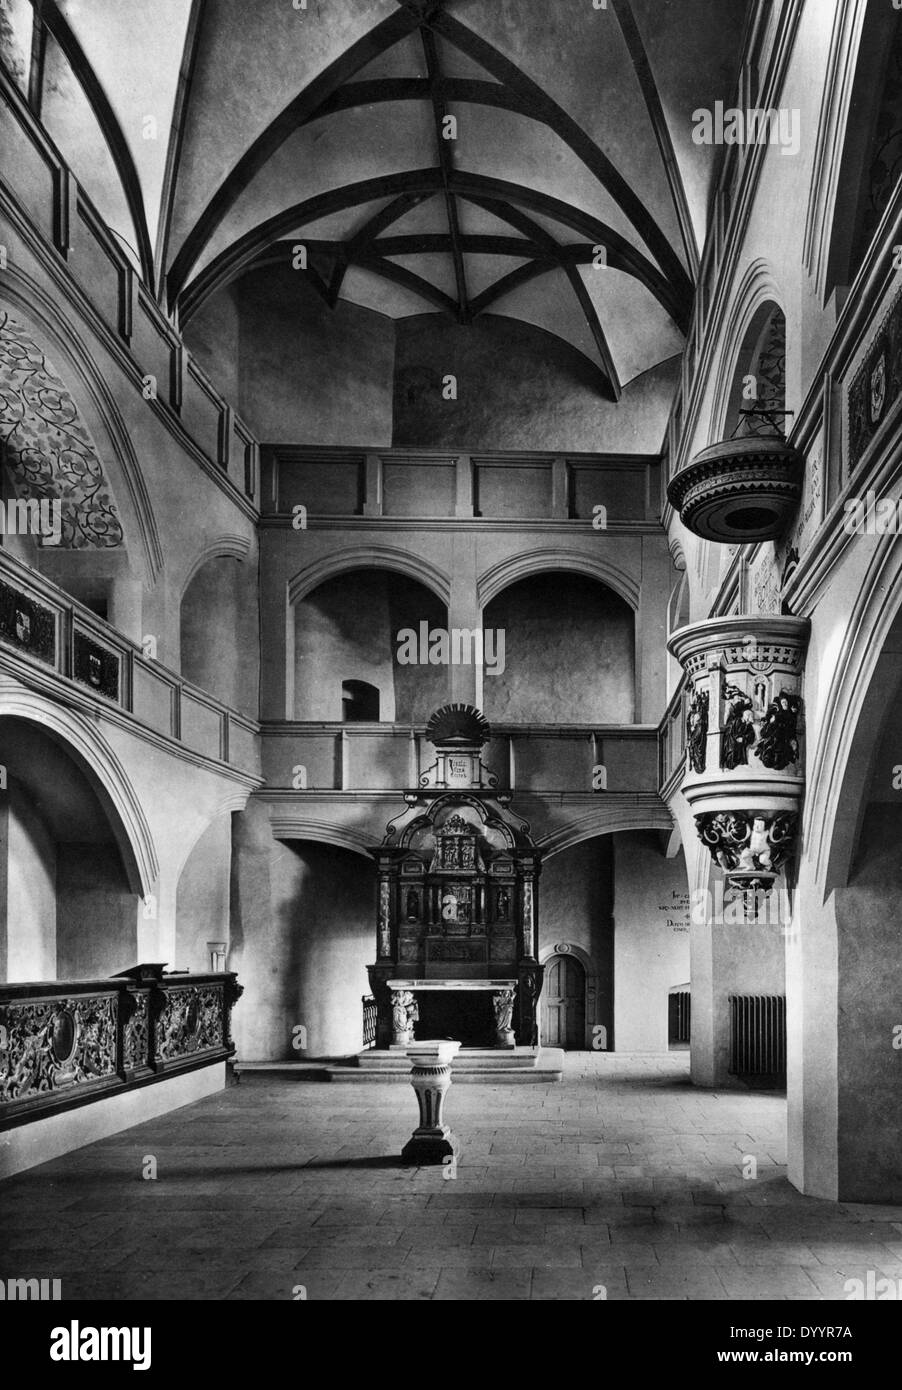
[(764, 583), (676, 908), (811, 511)]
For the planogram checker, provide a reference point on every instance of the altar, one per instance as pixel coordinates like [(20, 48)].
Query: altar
[(457, 905), (435, 1005)]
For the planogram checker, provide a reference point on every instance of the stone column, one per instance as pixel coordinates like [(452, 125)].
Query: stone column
[(464, 682), (432, 1140), (385, 924), (739, 812), (529, 906)]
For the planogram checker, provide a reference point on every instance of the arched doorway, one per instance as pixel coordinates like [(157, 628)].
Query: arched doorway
[(564, 1003)]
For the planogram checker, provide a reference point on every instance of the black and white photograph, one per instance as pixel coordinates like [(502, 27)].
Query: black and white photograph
[(451, 667)]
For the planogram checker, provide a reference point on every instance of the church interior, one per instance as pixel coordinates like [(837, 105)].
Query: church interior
[(451, 649)]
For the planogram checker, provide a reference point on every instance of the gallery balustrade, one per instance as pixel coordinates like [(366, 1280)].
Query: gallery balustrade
[(45, 635), (525, 758)]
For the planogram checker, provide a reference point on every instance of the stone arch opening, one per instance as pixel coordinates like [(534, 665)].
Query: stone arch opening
[(569, 652), (69, 906), (348, 632)]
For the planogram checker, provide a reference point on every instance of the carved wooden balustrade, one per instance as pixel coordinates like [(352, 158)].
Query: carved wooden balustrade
[(64, 1044)]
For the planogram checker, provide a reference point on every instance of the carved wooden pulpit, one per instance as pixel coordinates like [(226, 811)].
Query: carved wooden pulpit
[(457, 904)]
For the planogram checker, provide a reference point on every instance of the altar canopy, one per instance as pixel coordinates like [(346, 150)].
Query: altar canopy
[(458, 903)]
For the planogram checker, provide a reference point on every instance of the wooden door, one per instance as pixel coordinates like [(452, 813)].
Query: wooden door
[(564, 1004)]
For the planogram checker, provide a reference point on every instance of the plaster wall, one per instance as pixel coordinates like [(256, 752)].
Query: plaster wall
[(651, 939), (303, 932)]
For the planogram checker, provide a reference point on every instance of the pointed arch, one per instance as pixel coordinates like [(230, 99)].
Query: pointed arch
[(757, 288)]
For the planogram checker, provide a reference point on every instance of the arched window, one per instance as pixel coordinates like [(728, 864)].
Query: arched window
[(872, 153), (759, 382), (678, 607), (359, 702)]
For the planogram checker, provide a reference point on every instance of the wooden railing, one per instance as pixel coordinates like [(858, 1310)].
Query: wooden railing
[(42, 629), (66, 1043)]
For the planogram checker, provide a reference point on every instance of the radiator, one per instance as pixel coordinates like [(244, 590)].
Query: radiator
[(757, 1035), (679, 1016)]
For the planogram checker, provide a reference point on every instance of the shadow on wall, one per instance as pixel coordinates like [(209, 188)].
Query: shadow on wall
[(352, 377), (202, 898), (346, 634), (517, 387), (303, 933), (66, 908)]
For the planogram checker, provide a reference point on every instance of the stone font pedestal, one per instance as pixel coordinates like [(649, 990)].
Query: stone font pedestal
[(431, 1141)]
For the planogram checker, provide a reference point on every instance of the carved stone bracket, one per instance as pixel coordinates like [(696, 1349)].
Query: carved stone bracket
[(750, 842)]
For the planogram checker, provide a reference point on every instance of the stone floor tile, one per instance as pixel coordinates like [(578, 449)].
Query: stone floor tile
[(621, 1176), (748, 1280), (409, 1285), (539, 1256), (484, 1285), (585, 1286)]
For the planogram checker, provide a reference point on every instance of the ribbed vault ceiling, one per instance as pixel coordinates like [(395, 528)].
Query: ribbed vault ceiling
[(571, 197)]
